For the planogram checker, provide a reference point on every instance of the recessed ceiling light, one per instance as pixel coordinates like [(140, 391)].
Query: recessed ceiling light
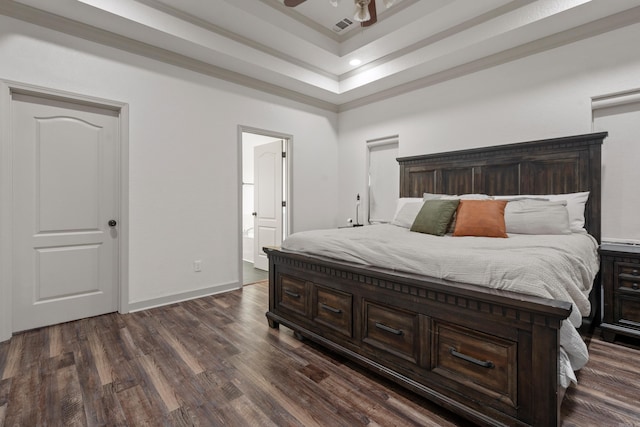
[(355, 62)]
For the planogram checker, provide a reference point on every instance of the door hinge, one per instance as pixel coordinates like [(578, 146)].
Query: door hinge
[(284, 204), (284, 154)]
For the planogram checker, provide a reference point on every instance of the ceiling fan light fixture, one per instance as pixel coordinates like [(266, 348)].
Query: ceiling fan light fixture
[(362, 11)]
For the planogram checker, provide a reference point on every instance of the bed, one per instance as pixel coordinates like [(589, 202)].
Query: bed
[(484, 353)]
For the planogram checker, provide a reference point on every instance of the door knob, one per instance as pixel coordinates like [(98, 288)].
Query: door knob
[(254, 213), (112, 223)]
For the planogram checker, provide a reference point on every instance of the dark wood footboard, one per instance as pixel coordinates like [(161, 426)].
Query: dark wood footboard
[(488, 355)]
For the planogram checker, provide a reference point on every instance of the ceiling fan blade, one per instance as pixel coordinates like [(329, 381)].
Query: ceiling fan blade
[(373, 13), (293, 3)]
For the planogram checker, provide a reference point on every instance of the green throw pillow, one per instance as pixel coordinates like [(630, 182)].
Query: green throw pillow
[(435, 216)]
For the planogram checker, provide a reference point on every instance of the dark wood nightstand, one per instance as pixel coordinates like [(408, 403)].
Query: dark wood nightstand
[(621, 285)]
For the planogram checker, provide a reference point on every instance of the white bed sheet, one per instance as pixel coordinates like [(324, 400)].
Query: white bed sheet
[(560, 267)]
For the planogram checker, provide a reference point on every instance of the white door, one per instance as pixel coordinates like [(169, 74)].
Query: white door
[(620, 173), (65, 194), (267, 198)]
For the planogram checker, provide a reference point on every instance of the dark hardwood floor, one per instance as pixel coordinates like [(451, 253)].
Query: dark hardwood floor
[(214, 361)]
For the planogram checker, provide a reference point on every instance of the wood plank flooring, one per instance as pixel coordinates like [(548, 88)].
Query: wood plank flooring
[(215, 362)]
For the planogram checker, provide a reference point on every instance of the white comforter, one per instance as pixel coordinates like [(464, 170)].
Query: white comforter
[(560, 267)]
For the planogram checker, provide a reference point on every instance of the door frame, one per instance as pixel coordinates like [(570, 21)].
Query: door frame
[(7, 89), (370, 145), (288, 194)]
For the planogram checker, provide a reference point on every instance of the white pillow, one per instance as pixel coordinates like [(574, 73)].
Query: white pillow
[(431, 196), (466, 197), (407, 209), (576, 203), (575, 206), (534, 216)]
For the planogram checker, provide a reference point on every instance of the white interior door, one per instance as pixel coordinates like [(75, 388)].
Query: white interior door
[(384, 180), (620, 173), (65, 252), (267, 200)]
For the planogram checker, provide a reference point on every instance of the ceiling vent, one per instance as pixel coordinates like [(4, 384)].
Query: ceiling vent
[(341, 25)]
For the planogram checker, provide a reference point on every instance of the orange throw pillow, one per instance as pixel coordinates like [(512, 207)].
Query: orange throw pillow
[(482, 218)]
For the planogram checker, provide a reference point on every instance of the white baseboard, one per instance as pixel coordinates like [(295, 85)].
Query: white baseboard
[(183, 296), (5, 334)]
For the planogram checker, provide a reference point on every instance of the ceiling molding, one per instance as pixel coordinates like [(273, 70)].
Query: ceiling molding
[(616, 99), (470, 23), (194, 20), (108, 38), (592, 29)]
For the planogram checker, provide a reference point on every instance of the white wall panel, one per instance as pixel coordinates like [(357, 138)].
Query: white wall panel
[(64, 180), (66, 271)]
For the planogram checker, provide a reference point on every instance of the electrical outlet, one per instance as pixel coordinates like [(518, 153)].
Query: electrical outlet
[(197, 266)]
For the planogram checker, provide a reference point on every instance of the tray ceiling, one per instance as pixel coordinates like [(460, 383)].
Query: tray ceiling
[(297, 52)]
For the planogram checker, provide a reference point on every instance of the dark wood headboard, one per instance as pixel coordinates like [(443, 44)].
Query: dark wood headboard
[(551, 166)]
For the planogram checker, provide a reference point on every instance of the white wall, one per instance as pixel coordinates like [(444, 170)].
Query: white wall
[(184, 181), (542, 96)]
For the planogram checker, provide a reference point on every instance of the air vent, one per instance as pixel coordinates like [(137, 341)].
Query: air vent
[(341, 25)]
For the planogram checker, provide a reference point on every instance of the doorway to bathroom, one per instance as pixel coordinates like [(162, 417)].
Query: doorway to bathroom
[(266, 219)]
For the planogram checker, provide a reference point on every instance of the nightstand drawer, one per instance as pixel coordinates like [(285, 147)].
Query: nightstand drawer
[(628, 277), (629, 284), (332, 308), (629, 312), (392, 330), (628, 270)]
